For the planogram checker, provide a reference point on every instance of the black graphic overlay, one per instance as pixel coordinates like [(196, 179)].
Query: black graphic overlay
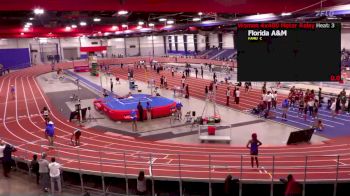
[(288, 51)]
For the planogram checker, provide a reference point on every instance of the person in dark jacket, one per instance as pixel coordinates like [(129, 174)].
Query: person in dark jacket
[(293, 188), (229, 185), (140, 110), (34, 167), (7, 159)]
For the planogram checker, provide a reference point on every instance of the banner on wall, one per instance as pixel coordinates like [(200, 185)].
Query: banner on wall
[(15, 58), (93, 49)]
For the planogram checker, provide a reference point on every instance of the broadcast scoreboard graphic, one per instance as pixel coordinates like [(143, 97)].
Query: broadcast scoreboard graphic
[(288, 51)]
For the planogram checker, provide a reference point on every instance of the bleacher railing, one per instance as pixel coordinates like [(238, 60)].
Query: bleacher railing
[(181, 167)]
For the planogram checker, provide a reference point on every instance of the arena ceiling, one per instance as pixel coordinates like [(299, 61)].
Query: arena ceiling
[(219, 15)]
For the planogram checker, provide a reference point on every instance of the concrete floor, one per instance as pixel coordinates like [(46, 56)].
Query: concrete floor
[(20, 184), (243, 124)]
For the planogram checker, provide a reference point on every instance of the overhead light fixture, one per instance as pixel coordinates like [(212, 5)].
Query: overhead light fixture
[(74, 26), (286, 14), (196, 19), (139, 27), (124, 25), (82, 23), (38, 11), (127, 31), (31, 18), (332, 18), (68, 28), (122, 12), (29, 23), (258, 17), (107, 33), (25, 29), (22, 33), (162, 19), (97, 19), (151, 24), (170, 22), (118, 32), (141, 23), (114, 28), (208, 22), (26, 26), (168, 27), (200, 13)]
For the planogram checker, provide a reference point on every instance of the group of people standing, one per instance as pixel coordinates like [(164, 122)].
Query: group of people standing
[(235, 93)]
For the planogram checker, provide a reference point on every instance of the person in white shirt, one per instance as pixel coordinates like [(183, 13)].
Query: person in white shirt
[(264, 99), (333, 107), (55, 175), (2, 147), (274, 99), (228, 92), (237, 95), (269, 100), (183, 82)]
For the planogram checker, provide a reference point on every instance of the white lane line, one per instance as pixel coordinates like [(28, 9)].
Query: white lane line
[(150, 165), (341, 163), (169, 161)]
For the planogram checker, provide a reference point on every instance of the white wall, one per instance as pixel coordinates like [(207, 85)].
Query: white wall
[(227, 39), (201, 42), (180, 43), (132, 41), (213, 40), (345, 38), (190, 42), (146, 46), (115, 46)]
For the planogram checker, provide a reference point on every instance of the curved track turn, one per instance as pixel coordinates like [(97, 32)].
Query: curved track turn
[(22, 126)]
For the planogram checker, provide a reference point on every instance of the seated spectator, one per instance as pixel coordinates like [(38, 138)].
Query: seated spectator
[(141, 184), (293, 188)]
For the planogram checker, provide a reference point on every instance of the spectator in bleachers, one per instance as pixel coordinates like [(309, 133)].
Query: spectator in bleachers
[(34, 167), (7, 158), (293, 188), (141, 184), (44, 173), (55, 175)]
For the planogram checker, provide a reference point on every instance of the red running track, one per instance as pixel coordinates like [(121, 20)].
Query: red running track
[(22, 126)]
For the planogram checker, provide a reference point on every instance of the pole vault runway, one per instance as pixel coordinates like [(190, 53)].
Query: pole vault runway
[(102, 154)]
